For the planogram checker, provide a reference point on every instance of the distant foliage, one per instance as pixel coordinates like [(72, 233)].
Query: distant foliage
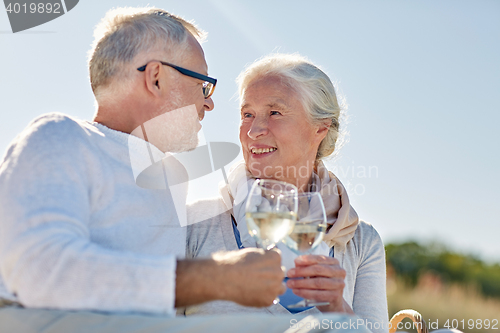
[(410, 260)]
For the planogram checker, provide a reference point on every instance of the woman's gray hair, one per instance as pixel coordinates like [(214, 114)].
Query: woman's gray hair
[(315, 90), (126, 32)]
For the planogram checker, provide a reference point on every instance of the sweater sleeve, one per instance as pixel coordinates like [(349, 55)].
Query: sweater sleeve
[(370, 299), (48, 179)]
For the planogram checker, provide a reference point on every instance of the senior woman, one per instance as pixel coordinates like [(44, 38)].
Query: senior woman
[(289, 123)]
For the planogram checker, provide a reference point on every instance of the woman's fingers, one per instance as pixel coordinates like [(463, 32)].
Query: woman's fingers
[(317, 270), (322, 279), (317, 283)]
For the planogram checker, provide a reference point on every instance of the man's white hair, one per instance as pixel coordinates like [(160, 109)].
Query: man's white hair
[(314, 88), (125, 33)]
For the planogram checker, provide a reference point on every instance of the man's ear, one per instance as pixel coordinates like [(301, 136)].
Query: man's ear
[(152, 78)]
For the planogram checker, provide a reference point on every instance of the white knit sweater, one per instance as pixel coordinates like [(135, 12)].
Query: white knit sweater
[(76, 232)]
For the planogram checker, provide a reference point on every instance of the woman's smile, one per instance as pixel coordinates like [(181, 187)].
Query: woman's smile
[(277, 137)]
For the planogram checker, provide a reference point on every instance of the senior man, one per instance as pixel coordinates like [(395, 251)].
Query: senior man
[(78, 233)]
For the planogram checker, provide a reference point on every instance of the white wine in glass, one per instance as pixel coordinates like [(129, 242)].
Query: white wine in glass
[(308, 232), (306, 236), (271, 212), (269, 228)]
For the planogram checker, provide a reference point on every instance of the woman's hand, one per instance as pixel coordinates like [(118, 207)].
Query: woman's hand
[(323, 281)]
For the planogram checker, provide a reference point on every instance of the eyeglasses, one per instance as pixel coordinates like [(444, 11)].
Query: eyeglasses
[(208, 85)]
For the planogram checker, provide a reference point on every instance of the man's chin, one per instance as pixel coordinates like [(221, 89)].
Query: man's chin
[(184, 147), (191, 149)]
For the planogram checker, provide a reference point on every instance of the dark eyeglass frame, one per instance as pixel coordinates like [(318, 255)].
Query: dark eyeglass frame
[(208, 85)]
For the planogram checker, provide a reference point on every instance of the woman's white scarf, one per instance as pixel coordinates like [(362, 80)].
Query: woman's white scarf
[(342, 219)]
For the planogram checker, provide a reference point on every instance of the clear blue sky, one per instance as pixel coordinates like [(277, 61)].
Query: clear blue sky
[(421, 78)]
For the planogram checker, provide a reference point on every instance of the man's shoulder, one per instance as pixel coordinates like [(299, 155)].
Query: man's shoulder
[(52, 136), (52, 124), (54, 131)]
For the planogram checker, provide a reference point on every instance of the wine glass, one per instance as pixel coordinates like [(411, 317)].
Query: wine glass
[(271, 212), (308, 232)]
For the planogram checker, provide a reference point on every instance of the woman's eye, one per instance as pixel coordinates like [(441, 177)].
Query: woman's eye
[(246, 115), (275, 113)]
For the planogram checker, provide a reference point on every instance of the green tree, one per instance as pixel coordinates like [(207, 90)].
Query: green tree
[(411, 259)]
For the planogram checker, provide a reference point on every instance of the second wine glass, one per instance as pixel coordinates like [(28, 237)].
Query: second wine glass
[(308, 232)]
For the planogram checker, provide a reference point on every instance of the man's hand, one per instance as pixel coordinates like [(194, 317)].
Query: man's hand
[(251, 277), (323, 281)]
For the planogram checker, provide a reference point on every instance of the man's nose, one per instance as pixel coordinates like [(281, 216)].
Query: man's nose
[(209, 104), (258, 128)]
